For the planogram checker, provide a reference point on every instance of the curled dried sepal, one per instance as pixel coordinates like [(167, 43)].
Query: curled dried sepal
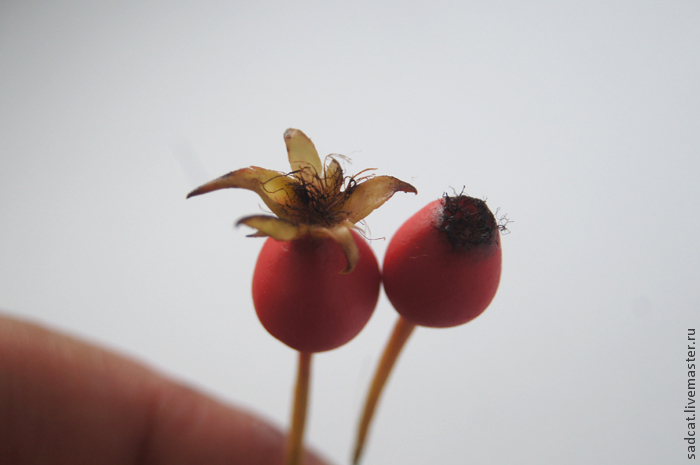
[(372, 194), (273, 187), (283, 230), (276, 228), (310, 199)]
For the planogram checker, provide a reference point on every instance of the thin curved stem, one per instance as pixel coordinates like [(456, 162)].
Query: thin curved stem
[(402, 330), (295, 443)]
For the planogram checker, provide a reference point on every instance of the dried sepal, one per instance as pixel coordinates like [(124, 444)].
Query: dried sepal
[(283, 230), (333, 177), (276, 228), (371, 194), (303, 156), (311, 199), (275, 189)]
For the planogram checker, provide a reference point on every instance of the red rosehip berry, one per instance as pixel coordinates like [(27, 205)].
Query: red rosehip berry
[(443, 266), (302, 298), (312, 239), (441, 269), (316, 282)]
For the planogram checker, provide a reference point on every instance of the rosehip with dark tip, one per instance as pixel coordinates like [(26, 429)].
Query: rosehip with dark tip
[(443, 266)]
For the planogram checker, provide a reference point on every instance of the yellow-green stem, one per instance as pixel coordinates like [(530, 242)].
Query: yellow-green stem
[(295, 440), (402, 330)]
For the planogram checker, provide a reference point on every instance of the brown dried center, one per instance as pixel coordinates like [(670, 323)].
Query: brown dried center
[(467, 222), (319, 201)]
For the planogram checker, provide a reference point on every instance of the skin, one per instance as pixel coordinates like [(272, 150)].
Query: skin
[(63, 401)]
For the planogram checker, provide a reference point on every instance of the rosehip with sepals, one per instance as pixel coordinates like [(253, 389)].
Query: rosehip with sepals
[(316, 282)]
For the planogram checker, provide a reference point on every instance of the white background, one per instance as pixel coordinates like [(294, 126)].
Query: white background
[(580, 120)]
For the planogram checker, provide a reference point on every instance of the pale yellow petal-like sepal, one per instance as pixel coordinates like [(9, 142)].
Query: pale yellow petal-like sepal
[(276, 228), (274, 188), (371, 194), (303, 156)]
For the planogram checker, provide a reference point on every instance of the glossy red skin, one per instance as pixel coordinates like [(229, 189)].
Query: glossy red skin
[(302, 298), (429, 283)]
